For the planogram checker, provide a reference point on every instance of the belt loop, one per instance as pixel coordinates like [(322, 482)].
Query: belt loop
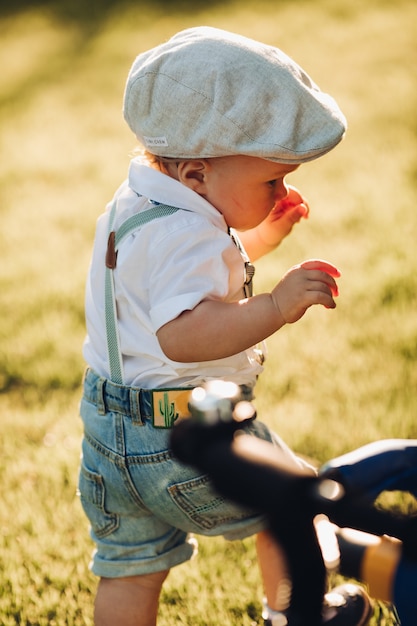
[(101, 402), (134, 401)]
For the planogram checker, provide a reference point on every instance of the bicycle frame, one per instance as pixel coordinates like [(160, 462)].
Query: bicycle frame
[(254, 474)]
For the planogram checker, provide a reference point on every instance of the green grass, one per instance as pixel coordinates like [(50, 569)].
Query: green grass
[(334, 381)]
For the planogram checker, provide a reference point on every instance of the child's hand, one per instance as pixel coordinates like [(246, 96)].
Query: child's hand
[(292, 205), (277, 225), (311, 282), (287, 212)]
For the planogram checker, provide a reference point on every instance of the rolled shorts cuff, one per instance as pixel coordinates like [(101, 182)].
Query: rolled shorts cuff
[(119, 568)]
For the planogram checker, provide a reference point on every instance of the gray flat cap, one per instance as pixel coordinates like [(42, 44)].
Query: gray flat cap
[(209, 93)]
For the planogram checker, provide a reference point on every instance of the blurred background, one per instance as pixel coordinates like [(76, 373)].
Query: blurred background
[(334, 381)]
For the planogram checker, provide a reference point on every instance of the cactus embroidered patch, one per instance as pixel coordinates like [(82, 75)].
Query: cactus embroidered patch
[(170, 405)]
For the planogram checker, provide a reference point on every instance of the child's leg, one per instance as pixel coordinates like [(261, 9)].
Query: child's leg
[(274, 572), (131, 601)]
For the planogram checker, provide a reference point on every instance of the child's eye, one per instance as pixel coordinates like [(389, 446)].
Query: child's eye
[(272, 183)]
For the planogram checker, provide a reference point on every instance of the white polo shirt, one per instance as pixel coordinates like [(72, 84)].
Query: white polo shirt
[(166, 267)]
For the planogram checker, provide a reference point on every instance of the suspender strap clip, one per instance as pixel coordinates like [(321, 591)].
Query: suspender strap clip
[(111, 254)]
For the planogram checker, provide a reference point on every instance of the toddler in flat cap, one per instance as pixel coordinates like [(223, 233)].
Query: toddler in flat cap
[(222, 120)]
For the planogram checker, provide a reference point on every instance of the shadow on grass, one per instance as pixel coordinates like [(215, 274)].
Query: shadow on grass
[(92, 14), (87, 19)]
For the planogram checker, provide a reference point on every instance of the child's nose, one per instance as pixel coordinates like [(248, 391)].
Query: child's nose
[(281, 191)]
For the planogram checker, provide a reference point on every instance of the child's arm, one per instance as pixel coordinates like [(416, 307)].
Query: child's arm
[(216, 329), (279, 223)]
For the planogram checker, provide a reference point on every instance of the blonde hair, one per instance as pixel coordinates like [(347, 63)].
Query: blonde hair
[(153, 160), (159, 161)]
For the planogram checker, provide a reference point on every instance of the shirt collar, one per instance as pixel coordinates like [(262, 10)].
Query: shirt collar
[(149, 182)]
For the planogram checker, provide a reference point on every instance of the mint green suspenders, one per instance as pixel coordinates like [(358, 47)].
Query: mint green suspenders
[(115, 239)]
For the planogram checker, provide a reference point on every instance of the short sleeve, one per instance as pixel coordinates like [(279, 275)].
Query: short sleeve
[(191, 265)]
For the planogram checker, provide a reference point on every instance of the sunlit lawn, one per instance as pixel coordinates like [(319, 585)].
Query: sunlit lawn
[(334, 381)]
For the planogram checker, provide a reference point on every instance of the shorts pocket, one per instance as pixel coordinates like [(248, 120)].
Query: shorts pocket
[(204, 506), (92, 495)]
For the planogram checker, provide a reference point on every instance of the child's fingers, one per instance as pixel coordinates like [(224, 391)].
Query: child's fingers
[(331, 272), (293, 213), (294, 196), (323, 284), (292, 200), (322, 266)]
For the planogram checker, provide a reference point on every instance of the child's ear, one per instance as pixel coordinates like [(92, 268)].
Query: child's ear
[(193, 174)]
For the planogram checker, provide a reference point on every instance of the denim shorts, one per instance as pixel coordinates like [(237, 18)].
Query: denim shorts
[(142, 504)]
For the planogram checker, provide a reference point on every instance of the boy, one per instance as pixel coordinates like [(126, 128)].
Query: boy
[(224, 120)]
